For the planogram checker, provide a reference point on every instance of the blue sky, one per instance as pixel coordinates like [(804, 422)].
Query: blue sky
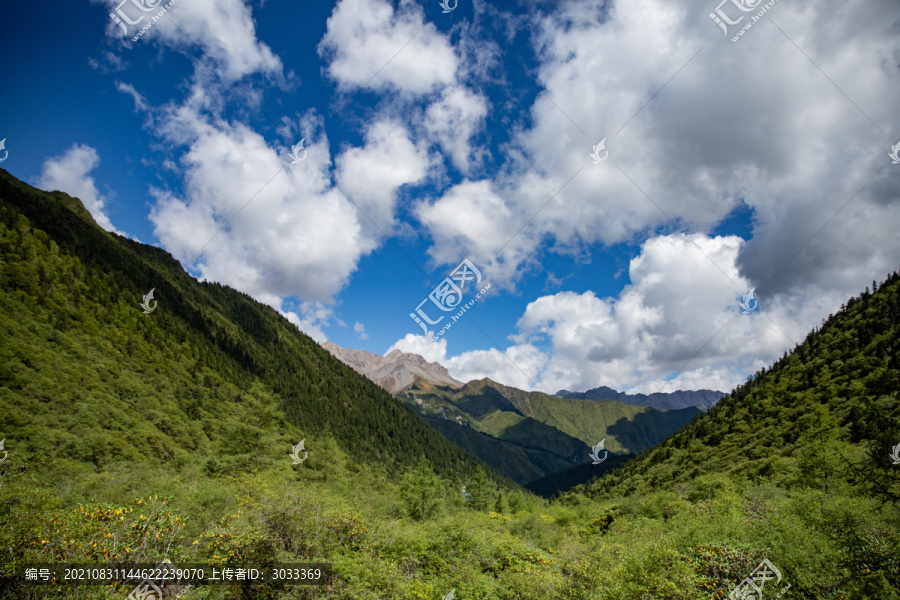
[(431, 137)]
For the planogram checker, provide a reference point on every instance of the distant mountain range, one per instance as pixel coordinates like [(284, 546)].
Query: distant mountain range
[(702, 399), (527, 436)]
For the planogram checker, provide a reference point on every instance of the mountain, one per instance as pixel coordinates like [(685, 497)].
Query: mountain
[(395, 371), (500, 410), (209, 375), (532, 435), (483, 419), (523, 461), (493, 408), (702, 399)]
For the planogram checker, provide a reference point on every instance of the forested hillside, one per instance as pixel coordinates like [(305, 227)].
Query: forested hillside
[(210, 374), (828, 412), (795, 465)]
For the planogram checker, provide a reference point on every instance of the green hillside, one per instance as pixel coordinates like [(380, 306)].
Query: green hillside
[(210, 374), (537, 419), (519, 462), (827, 413)]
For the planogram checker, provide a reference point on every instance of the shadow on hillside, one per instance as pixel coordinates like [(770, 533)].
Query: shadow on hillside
[(650, 427), (562, 481)]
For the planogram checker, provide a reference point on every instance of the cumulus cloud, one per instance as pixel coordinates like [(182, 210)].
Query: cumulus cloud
[(423, 346), (372, 174), (677, 325), (694, 134), (272, 227), (224, 29), (70, 173), (251, 219), (361, 330), (452, 121), (368, 43), (517, 366)]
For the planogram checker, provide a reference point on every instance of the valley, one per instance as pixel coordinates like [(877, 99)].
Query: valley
[(136, 437)]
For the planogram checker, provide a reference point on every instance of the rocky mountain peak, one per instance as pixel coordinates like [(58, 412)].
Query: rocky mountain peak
[(395, 371)]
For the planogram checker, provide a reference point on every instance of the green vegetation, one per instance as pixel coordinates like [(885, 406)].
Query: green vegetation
[(137, 437), (531, 435), (514, 415), (520, 463)]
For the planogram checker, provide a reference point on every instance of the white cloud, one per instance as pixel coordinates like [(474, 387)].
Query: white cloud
[(677, 325), (473, 220), (70, 173), (287, 231), (274, 229), (312, 318), (361, 330), (368, 43), (694, 135), (518, 366), (140, 103), (371, 175), (453, 120), (423, 346), (224, 29)]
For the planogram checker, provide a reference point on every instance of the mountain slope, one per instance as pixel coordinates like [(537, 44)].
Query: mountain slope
[(209, 375), (549, 435), (491, 407), (825, 414), (521, 462), (702, 399)]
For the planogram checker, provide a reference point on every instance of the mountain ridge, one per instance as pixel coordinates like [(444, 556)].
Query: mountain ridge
[(703, 399)]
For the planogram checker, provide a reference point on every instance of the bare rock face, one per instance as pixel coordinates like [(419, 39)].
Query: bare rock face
[(394, 372)]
